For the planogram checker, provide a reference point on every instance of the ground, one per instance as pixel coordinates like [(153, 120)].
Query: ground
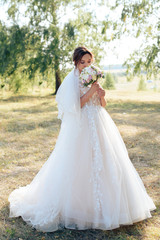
[(29, 129)]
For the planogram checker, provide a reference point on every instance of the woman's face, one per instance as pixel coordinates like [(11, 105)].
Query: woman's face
[(85, 61)]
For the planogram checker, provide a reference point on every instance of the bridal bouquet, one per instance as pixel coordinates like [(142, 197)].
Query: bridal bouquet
[(90, 75)]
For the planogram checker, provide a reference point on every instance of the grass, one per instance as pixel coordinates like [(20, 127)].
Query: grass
[(29, 129)]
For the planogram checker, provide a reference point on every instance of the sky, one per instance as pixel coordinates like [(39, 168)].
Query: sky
[(114, 52), (119, 50)]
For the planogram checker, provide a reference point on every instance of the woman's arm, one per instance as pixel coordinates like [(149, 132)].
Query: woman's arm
[(85, 98), (101, 93), (103, 101)]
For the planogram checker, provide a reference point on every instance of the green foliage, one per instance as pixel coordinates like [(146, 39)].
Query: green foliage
[(12, 48), (142, 84), (44, 43), (138, 18), (11, 232), (109, 82)]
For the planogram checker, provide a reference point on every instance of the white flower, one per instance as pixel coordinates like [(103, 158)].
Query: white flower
[(89, 74)]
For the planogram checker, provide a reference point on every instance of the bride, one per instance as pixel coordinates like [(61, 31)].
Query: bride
[(88, 181)]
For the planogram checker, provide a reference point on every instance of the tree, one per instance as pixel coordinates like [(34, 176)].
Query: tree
[(13, 41), (54, 41), (137, 18), (109, 81), (9, 55), (142, 84)]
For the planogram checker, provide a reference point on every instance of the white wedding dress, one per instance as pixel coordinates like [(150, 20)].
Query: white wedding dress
[(88, 180)]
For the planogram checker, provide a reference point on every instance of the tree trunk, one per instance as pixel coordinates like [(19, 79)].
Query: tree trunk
[(58, 80)]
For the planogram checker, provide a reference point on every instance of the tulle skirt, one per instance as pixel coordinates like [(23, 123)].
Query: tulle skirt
[(87, 182)]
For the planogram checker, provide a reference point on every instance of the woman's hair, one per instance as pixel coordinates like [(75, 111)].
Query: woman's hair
[(79, 52)]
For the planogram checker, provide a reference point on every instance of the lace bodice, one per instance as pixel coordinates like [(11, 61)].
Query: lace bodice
[(94, 100)]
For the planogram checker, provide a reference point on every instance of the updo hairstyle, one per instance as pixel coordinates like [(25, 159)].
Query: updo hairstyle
[(79, 52)]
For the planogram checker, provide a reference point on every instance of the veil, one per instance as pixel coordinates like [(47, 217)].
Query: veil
[(68, 98)]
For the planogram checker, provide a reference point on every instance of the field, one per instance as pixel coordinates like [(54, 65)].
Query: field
[(29, 129)]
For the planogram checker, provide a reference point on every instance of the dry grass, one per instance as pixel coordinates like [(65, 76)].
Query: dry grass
[(29, 129)]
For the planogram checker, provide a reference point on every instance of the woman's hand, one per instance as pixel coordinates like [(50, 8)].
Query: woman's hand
[(101, 92), (85, 98), (95, 87)]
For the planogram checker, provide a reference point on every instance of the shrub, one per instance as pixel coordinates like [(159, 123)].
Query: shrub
[(141, 85), (109, 82)]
